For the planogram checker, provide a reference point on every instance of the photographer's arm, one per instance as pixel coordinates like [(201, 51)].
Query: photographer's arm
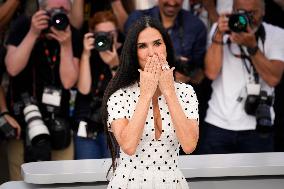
[(214, 57), (7, 10), (17, 56), (120, 13), (269, 70), (3, 105), (77, 14), (214, 54), (85, 77), (5, 113), (210, 6), (69, 65)]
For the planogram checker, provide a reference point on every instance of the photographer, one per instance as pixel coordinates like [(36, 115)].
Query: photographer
[(99, 61), (246, 62), (44, 65), (187, 33)]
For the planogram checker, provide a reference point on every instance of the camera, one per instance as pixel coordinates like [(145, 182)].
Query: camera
[(58, 125), (185, 67), (103, 41), (58, 18), (239, 21), (37, 131), (6, 130), (259, 106), (60, 132)]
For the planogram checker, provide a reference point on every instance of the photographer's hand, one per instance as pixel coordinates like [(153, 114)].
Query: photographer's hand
[(14, 124), (223, 23), (149, 77), (64, 37), (88, 44), (166, 79), (247, 39), (110, 57), (39, 22)]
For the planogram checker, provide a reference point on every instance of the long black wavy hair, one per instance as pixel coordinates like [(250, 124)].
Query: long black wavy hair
[(127, 73)]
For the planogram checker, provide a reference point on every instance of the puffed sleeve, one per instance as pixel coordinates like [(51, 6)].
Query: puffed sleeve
[(188, 101), (116, 107)]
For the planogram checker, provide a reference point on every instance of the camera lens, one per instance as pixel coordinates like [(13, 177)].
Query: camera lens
[(263, 118), (37, 130), (238, 22), (60, 133), (58, 19), (103, 41)]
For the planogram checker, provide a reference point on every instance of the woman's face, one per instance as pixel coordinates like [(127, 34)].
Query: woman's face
[(150, 42), (107, 27)]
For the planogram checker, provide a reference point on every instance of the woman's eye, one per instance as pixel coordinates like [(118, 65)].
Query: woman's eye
[(141, 46), (157, 43)]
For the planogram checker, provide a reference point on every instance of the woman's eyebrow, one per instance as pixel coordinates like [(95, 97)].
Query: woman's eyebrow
[(157, 40)]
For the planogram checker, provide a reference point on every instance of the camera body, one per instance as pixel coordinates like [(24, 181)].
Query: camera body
[(58, 18), (58, 125), (259, 106), (185, 67), (103, 41), (6, 130), (239, 21)]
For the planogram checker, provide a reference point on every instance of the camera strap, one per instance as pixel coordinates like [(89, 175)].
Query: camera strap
[(52, 58), (259, 34)]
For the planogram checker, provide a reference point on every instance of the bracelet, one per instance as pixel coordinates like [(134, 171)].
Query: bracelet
[(218, 42), (214, 40), (4, 113)]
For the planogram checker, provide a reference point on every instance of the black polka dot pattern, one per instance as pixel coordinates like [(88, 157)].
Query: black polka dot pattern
[(152, 154)]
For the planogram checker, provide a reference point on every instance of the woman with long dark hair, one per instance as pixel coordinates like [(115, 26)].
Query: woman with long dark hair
[(148, 115)]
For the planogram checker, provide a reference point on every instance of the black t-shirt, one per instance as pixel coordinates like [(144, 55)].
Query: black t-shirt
[(39, 73), (87, 107)]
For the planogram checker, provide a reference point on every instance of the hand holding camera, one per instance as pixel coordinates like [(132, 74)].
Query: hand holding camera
[(88, 44), (9, 127), (238, 25), (39, 22), (110, 57), (58, 24)]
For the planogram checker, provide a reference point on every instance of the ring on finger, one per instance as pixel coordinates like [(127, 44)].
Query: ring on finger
[(165, 67)]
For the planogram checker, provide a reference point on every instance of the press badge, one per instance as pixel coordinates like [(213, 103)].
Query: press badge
[(51, 96), (253, 89)]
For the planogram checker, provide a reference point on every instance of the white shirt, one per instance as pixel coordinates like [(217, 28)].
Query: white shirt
[(146, 4), (224, 6), (224, 110)]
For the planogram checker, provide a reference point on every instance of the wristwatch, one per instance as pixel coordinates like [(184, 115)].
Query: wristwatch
[(252, 51)]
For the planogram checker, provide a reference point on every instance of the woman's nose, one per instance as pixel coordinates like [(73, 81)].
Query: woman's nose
[(151, 52)]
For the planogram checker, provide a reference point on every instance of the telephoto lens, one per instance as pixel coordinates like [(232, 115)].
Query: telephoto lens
[(103, 41), (37, 131), (262, 114)]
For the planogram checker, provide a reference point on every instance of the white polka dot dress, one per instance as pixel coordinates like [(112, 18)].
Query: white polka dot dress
[(155, 162)]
